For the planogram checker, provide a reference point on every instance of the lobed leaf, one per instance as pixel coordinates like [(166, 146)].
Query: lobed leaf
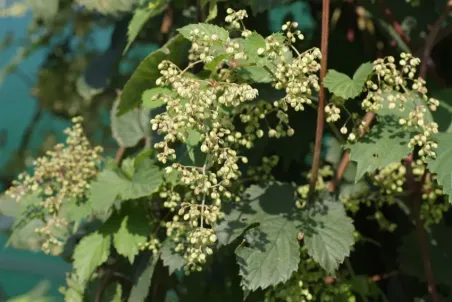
[(328, 232), (385, 143), (92, 251), (145, 181), (343, 86), (272, 255)]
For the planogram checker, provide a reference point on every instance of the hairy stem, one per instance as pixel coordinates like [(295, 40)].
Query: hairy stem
[(321, 110)]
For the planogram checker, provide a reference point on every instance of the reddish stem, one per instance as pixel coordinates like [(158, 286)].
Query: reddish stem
[(321, 109), (395, 24)]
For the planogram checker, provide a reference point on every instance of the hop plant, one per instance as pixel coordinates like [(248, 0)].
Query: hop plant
[(62, 176)]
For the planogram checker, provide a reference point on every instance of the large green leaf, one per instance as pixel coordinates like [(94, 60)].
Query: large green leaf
[(258, 204), (132, 232), (170, 258), (139, 19), (271, 255), (385, 143), (129, 128), (413, 100), (207, 29), (111, 185), (92, 251), (343, 86), (147, 72), (272, 252), (328, 232), (142, 280), (442, 165)]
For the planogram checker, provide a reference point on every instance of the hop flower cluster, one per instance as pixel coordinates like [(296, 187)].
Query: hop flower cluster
[(397, 85), (235, 18), (390, 179), (62, 175), (299, 79)]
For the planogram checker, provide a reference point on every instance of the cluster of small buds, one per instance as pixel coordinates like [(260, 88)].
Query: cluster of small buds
[(200, 47), (50, 243), (172, 198), (252, 115), (235, 18), (333, 113), (299, 79), (424, 140), (292, 35), (201, 242), (153, 245), (321, 184), (434, 203), (392, 84), (263, 173), (63, 174), (390, 179)]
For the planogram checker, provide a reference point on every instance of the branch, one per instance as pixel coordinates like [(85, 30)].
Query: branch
[(119, 155), (321, 110), (431, 38), (416, 190)]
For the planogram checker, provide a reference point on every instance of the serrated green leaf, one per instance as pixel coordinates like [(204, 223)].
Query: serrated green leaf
[(257, 205), (145, 181), (207, 29), (442, 164), (92, 251), (132, 232), (272, 256), (139, 19), (439, 244), (174, 261), (143, 278), (342, 86), (251, 45), (328, 232), (385, 143), (151, 99), (256, 74), (128, 129), (144, 77)]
